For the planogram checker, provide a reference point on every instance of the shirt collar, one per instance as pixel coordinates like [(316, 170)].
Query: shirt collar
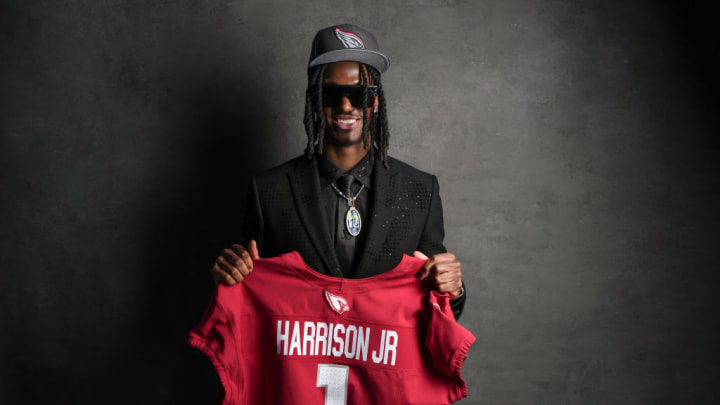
[(362, 172)]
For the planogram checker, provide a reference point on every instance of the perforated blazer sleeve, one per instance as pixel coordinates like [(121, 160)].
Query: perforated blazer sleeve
[(431, 241), (253, 224)]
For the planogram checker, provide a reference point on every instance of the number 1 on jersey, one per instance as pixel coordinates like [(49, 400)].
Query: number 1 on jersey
[(334, 378)]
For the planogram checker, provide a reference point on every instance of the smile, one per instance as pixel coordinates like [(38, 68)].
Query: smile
[(345, 123)]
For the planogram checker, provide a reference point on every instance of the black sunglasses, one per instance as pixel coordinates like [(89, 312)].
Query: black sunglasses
[(333, 94)]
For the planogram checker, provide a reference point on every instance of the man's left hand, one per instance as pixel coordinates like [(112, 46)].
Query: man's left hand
[(444, 271)]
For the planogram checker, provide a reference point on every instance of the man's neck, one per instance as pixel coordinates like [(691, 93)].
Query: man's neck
[(346, 157)]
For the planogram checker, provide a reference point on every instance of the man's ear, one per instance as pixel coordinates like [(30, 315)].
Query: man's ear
[(376, 103)]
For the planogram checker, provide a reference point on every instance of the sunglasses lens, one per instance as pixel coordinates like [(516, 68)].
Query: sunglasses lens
[(332, 95)]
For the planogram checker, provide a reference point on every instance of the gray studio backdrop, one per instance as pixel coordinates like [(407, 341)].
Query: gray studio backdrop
[(573, 141)]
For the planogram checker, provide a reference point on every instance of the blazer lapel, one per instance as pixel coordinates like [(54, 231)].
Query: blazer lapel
[(387, 189), (305, 185)]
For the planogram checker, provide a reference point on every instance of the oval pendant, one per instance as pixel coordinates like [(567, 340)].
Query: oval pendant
[(352, 221)]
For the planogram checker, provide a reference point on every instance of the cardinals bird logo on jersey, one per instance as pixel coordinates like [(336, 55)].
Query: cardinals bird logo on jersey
[(349, 40), (337, 303)]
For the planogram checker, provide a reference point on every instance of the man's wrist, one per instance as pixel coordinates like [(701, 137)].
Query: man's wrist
[(462, 293)]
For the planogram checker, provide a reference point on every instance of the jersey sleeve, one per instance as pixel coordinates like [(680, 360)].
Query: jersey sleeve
[(447, 342), (215, 337)]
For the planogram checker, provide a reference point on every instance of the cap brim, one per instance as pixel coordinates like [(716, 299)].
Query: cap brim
[(372, 58)]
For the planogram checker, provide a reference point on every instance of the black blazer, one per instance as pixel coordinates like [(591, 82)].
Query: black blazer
[(285, 213)]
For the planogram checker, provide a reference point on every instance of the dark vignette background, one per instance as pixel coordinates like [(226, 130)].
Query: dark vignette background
[(575, 143)]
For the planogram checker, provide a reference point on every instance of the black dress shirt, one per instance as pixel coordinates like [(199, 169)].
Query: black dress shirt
[(362, 172)]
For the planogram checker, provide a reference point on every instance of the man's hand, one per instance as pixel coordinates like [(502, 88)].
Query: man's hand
[(234, 264), (444, 271)]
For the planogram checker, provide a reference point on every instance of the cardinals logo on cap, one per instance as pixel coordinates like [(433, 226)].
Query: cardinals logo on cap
[(349, 40), (337, 303)]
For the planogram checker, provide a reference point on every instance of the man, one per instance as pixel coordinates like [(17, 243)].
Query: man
[(347, 207)]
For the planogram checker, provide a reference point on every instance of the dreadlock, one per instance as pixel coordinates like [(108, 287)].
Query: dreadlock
[(314, 118)]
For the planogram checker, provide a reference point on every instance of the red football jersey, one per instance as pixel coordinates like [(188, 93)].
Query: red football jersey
[(290, 335)]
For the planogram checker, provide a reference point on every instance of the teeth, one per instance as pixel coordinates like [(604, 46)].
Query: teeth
[(346, 122)]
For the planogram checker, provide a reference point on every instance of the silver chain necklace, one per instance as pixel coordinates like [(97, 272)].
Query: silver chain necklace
[(353, 222)]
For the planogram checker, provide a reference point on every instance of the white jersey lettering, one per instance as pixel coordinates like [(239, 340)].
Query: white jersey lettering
[(349, 341)]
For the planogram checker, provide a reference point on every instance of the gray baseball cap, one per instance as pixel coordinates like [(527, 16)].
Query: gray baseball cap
[(347, 42)]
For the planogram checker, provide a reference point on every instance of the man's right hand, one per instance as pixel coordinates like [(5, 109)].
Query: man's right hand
[(234, 264)]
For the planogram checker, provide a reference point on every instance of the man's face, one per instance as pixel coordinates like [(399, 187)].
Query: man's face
[(344, 121)]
